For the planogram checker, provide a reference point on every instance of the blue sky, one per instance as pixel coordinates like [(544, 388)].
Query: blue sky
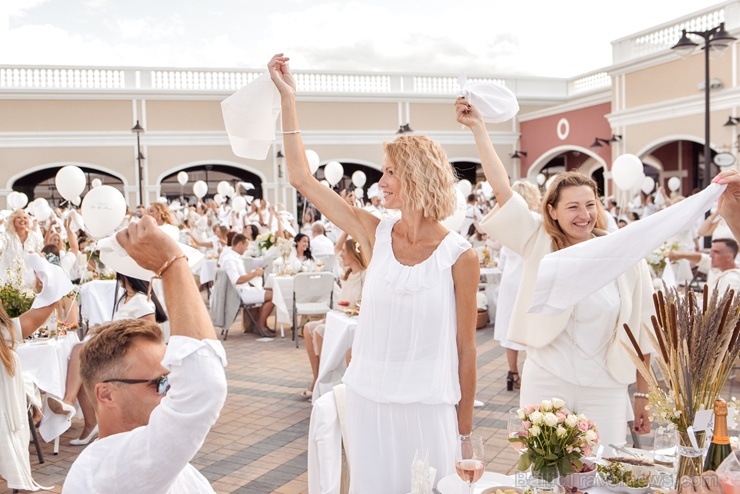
[(520, 37)]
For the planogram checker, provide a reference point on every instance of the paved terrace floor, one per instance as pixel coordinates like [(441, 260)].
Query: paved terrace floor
[(259, 443)]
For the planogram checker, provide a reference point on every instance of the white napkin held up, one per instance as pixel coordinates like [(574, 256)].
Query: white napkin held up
[(569, 275), (495, 102)]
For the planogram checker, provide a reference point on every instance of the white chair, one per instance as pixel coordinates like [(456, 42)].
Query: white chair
[(313, 294)]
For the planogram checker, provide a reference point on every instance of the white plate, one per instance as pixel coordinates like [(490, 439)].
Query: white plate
[(453, 485)]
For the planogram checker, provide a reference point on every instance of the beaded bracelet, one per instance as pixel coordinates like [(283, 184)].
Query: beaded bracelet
[(158, 274), (286, 132), (640, 395)]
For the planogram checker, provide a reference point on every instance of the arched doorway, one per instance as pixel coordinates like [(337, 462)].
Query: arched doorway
[(211, 174), (677, 156), (570, 158), (41, 182)]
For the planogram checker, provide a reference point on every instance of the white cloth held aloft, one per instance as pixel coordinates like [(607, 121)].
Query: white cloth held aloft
[(56, 283), (250, 115), (569, 275), (495, 102)]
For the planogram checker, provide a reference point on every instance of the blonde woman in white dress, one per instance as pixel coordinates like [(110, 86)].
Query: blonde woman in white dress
[(411, 382)]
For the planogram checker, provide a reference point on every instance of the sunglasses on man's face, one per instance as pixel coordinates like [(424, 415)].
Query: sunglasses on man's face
[(162, 383)]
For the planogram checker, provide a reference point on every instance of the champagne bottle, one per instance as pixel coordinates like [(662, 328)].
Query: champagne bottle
[(720, 447)]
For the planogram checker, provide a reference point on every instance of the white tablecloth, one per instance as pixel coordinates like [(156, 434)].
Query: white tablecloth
[(491, 277), (338, 336), (207, 270), (45, 362), (282, 297)]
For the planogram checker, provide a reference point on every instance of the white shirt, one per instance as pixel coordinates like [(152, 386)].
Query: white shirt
[(729, 278), (472, 214), (134, 308), (155, 458), (321, 245)]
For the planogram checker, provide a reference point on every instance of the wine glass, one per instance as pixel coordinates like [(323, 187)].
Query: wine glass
[(664, 447), (516, 429), (729, 473), (470, 460)]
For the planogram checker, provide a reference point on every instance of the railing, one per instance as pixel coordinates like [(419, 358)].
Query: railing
[(131, 79), (664, 36), (588, 83)]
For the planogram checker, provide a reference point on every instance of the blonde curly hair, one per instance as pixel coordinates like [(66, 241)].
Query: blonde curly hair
[(427, 178)]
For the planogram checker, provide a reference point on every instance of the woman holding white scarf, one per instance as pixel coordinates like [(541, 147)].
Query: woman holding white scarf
[(576, 356)]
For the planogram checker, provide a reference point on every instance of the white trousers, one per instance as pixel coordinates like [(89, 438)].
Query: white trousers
[(609, 408)]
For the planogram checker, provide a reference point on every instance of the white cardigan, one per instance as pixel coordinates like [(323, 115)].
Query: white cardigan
[(524, 232)]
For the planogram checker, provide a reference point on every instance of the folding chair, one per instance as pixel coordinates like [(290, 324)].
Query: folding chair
[(313, 294)]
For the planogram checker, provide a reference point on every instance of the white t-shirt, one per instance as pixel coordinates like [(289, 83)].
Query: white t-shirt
[(472, 214), (136, 307)]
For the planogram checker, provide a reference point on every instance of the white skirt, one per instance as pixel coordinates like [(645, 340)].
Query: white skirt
[(382, 439)]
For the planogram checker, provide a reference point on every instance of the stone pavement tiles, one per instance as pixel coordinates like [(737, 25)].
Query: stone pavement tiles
[(259, 444)]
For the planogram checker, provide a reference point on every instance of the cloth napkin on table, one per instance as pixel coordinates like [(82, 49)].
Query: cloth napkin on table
[(567, 276), (495, 102), (250, 115), (56, 283)]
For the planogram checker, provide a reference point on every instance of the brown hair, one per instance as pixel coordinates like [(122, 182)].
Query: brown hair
[(163, 212), (352, 248), (102, 357), (552, 197), (426, 176), (6, 350)]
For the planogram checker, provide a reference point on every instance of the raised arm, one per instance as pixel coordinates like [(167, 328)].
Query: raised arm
[(74, 247), (494, 169), (729, 201), (357, 222)]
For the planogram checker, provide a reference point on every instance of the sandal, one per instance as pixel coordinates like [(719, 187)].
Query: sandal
[(307, 393), (513, 381)]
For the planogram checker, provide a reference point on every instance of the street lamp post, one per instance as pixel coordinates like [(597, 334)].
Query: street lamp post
[(138, 130), (719, 40)]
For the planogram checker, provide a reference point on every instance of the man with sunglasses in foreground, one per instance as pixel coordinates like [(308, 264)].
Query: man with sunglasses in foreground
[(155, 404)]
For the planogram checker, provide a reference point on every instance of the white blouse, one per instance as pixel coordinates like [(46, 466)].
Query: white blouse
[(134, 308)]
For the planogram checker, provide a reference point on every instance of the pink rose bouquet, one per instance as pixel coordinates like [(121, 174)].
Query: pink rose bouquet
[(556, 439)]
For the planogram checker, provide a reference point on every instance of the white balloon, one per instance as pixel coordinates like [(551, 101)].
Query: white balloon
[(70, 181), (223, 188), (218, 198), (40, 202), (550, 180), (359, 193), (487, 190), (200, 189), (77, 200), (182, 178), (465, 187), (231, 192), (96, 182), (455, 220), (42, 211), (674, 183), (239, 204), (648, 184), (627, 171), (22, 200), (359, 178), (324, 182), (333, 171), (541, 178), (103, 210), (313, 160), (11, 200)]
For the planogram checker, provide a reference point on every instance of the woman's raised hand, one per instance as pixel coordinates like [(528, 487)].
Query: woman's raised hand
[(467, 114), (281, 76)]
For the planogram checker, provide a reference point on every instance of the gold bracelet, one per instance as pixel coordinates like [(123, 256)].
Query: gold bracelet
[(161, 271), (287, 132)]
